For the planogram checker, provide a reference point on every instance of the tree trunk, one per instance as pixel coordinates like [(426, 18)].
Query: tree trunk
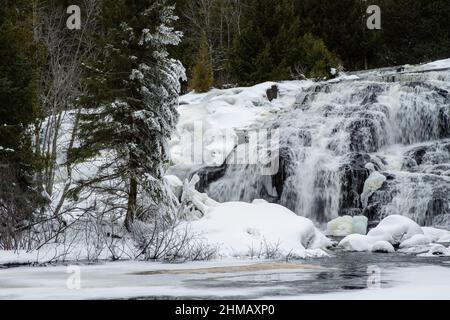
[(132, 199)]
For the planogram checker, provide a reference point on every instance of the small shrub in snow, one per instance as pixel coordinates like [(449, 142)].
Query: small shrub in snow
[(169, 241)]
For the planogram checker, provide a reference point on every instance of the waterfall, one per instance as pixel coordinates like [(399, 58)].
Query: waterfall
[(335, 129)]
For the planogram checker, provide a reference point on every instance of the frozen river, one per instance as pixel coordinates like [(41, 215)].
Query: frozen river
[(343, 276)]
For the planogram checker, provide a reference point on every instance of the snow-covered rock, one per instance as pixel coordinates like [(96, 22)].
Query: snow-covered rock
[(434, 234), (244, 229), (416, 240), (437, 250), (383, 247), (445, 238), (437, 235), (346, 225), (395, 229), (357, 242)]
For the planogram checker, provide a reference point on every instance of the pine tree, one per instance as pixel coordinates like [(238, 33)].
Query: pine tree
[(202, 74), (19, 196), (274, 45), (131, 107)]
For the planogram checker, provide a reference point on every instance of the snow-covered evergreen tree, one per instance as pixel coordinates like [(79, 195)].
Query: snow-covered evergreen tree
[(130, 112)]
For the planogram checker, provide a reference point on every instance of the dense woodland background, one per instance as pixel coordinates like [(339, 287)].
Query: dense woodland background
[(47, 70), (250, 41)]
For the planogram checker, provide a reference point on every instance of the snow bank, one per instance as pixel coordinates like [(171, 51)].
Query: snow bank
[(259, 229), (344, 77), (439, 64), (346, 225)]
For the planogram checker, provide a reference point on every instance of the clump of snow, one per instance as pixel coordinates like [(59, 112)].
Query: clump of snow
[(382, 247), (372, 184), (195, 204), (346, 225), (175, 184), (259, 201), (261, 229), (416, 240)]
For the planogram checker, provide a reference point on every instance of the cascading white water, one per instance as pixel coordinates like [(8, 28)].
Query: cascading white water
[(334, 129)]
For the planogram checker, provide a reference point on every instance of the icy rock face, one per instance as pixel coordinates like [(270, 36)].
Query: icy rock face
[(335, 129), (353, 176), (346, 225), (360, 224), (208, 175), (340, 227), (372, 184)]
